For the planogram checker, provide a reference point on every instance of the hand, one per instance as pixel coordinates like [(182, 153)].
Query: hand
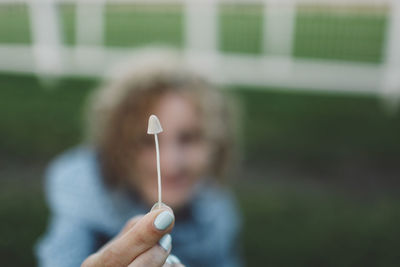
[(144, 241)]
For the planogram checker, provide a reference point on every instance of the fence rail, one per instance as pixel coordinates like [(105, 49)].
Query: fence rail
[(275, 66)]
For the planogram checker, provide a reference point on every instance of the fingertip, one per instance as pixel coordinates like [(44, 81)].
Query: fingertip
[(166, 242), (164, 216), (164, 220), (172, 259), (160, 206)]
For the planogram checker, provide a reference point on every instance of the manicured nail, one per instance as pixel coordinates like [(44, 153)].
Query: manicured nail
[(172, 259), (163, 220), (165, 242)]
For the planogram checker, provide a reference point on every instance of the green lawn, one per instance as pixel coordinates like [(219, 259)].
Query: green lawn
[(14, 24), (317, 125), (289, 226), (43, 121), (68, 23), (143, 24), (354, 37), (34, 120), (240, 28), (23, 214)]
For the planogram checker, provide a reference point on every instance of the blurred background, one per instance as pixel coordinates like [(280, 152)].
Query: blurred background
[(319, 82)]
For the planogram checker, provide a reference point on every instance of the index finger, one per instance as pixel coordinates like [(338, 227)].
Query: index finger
[(141, 237)]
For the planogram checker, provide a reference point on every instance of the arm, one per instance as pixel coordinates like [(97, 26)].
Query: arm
[(68, 238), (230, 227), (66, 243)]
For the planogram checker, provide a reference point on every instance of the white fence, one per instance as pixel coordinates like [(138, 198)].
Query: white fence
[(48, 56)]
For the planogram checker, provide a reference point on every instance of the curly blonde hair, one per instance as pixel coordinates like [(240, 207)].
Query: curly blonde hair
[(118, 111)]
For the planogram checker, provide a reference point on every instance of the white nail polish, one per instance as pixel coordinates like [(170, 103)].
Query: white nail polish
[(165, 242), (172, 259), (163, 220)]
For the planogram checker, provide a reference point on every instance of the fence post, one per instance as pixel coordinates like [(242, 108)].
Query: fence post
[(89, 52), (279, 23), (391, 76), (46, 35), (201, 25), (89, 23), (201, 36)]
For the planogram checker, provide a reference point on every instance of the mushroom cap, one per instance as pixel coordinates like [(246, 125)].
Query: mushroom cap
[(154, 126)]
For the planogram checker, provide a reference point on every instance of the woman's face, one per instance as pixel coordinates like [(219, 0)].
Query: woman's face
[(184, 153)]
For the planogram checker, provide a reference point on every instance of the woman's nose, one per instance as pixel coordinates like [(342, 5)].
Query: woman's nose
[(171, 158)]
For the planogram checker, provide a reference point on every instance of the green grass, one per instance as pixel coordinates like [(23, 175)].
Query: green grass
[(240, 28), (318, 125), (139, 25), (23, 218), (330, 35), (14, 24), (68, 23), (286, 226), (42, 122), (38, 122)]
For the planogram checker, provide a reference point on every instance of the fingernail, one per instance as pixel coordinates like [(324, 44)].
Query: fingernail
[(163, 220), (165, 242), (172, 259)]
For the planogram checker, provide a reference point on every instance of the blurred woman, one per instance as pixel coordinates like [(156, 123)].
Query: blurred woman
[(94, 189)]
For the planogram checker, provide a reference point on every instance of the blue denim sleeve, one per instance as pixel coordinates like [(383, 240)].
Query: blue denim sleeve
[(66, 243), (221, 207), (232, 256), (68, 239)]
